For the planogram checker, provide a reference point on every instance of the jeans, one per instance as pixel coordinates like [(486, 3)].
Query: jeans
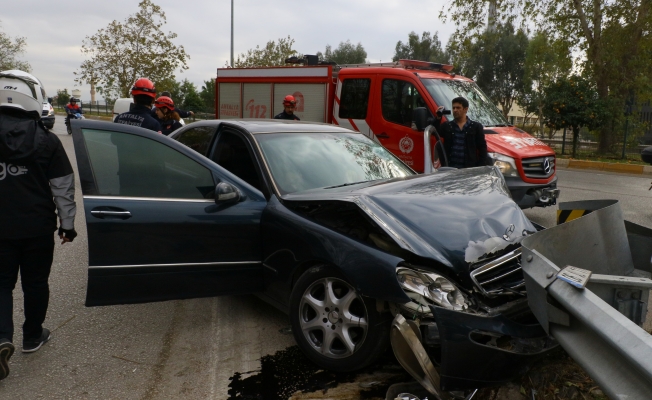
[(33, 258)]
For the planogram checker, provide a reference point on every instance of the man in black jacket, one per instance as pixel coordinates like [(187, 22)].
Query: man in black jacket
[(140, 112), (463, 138), (36, 179)]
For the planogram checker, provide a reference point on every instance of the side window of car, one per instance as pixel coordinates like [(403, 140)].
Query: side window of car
[(133, 166), (232, 153), (198, 139), (399, 98), (355, 98)]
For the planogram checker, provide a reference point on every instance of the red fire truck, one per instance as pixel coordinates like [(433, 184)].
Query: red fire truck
[(378, 100)]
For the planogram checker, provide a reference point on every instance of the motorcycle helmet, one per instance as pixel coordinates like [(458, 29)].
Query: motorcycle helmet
[(74, 100), (144, 86), (289, 100), (22, 91), (164, 102)]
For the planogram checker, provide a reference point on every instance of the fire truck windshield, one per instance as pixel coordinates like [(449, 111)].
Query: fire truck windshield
[(481, 108)]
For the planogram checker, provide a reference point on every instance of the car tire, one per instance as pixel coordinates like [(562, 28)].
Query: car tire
[(336, 328)]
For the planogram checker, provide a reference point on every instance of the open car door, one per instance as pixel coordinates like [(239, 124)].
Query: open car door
[(155, 231)]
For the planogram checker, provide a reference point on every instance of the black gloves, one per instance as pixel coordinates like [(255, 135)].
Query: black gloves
[(68, 233)]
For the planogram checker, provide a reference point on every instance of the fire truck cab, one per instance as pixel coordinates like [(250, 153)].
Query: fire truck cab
[(378, 100)]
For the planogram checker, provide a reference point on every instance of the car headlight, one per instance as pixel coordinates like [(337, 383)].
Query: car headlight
[(420, 285), (505, 164)]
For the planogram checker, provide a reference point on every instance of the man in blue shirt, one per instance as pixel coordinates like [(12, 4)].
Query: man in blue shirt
[(463, 138)]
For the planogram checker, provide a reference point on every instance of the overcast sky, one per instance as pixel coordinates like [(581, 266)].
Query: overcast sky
[(55, 30)]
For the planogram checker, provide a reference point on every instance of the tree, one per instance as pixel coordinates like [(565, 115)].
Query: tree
[(122, 52), (613, 37), (10, 48), (207, 94), (346, 53), (272, 55), (573, 103), (428, 48), (190, 99), (63, 97), (496, 59), (545, 62)]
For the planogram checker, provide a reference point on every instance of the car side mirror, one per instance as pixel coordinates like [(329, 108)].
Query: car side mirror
[(420, 118), (50, 100), (225, 193)]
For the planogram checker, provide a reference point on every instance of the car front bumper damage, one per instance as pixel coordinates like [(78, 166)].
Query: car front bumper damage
[(448, 350)]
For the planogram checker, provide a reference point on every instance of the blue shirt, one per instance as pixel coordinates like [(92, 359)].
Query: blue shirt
[(458, 147)]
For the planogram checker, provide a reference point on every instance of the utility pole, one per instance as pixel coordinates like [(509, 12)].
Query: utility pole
[(492, 15), (231, 33)]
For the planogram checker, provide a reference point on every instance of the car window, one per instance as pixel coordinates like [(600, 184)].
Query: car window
[(134, 166), (399, 98), (232, 153), (355, 98), (313, 160), (198, 138)]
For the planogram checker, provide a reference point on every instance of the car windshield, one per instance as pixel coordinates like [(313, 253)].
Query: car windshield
[(481, 109), (303, 161)]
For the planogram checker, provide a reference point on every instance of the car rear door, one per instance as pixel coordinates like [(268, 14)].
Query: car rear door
[(154, 230)]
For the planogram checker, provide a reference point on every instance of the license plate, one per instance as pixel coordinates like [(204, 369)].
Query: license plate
[(577, 277)]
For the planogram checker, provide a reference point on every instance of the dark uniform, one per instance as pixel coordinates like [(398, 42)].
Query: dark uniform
[(182, 113), (139, 115), (285, 115), (34, 171), (466, 147), (169, 126)]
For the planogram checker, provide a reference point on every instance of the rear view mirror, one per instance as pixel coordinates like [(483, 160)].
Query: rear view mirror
[(420, 117), (225, 193)]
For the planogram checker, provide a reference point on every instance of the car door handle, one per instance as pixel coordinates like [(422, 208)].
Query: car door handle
[(111, 214), (382, 135)]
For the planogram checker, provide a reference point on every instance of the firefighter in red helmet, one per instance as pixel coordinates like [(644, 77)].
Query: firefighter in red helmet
[(289, 103), (139, 113)]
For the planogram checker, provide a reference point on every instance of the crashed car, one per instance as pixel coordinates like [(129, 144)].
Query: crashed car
[(326, 225)]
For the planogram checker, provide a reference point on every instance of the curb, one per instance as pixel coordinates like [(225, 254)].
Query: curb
[(605, 166)]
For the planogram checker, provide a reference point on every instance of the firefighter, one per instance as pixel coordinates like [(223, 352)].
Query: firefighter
[(36, 179), (463, 138), (167, 115), (289, 103), (140, 113), (182, 113)]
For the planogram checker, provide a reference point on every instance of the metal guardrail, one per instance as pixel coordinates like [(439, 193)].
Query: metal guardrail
[(595, 325)]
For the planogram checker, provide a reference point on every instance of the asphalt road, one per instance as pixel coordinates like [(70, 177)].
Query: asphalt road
[(190, 349)]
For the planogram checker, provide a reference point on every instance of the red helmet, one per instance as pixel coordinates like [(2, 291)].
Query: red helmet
[(164, 102), (144, 86), (289, 100)]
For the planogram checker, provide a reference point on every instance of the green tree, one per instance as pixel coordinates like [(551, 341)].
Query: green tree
[(272, 55), (10, 48), (122, 52), (612, 36), (207, 94), (495, 60), (573, 103), (345, 53), (190, 99), (545, 62), (426, 48), (63, 97), (170, 85)]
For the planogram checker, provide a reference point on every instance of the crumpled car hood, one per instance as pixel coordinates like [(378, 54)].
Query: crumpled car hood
[(454, 217)]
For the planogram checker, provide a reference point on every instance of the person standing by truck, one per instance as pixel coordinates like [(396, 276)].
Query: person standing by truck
[(289, 103), (463, 138), (140, 113), (36, 179)]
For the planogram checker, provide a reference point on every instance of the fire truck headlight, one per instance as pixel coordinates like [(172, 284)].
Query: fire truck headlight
[(505, 164)]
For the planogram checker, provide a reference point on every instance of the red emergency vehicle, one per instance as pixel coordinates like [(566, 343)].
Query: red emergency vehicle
[(378, 100)]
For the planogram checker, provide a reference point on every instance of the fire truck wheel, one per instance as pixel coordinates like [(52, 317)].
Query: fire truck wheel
[(335, 327)]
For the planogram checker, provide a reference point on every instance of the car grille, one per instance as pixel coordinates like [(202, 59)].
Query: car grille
[(500, 276), (45, 113), (538, 167)]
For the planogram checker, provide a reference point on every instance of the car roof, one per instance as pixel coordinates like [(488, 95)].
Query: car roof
[(262, 126)]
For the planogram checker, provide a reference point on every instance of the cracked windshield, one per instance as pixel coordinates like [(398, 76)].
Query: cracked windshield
[(481, 108), (308, 161)]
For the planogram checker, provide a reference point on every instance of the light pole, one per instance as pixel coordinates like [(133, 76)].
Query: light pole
[(231, 33)]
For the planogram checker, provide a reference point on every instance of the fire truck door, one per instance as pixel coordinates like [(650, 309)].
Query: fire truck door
[(351, 109)]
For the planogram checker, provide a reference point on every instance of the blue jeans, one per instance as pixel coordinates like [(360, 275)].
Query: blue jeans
[(33, 258)]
